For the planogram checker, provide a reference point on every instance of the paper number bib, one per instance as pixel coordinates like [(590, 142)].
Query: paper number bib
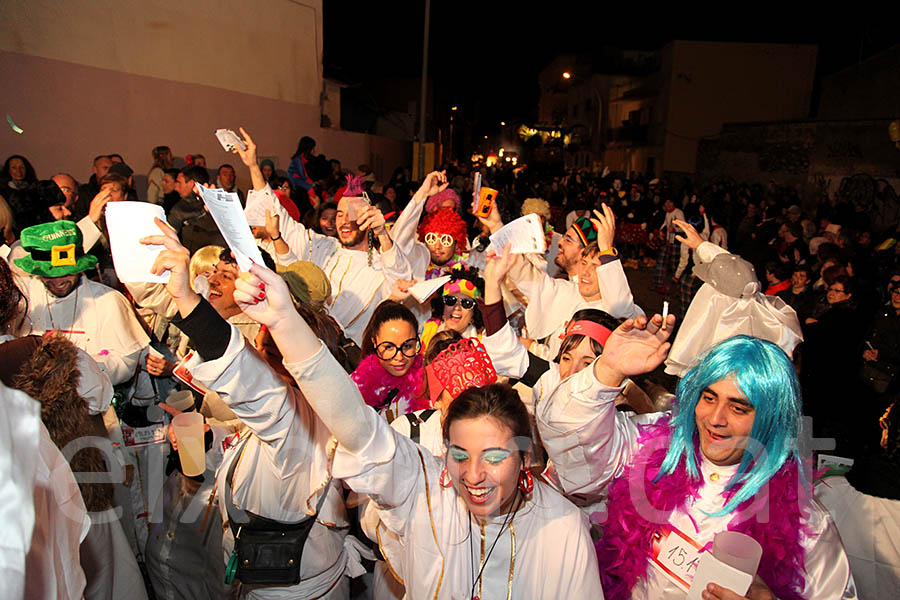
[(676, 555)]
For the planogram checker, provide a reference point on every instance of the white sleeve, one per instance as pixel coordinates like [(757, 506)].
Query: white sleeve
[(90, 233), (617, 298), (153, 296), (707, 251), (588, 440), (684, 253), (550, 301), (509, 356), (395, 266), (259, 398), (371, 457), (403, 233)]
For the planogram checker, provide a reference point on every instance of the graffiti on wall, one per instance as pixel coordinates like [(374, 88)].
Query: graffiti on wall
[(877, 197), (785, 157)]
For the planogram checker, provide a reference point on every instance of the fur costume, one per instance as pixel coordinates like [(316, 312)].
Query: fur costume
[(51, 377)]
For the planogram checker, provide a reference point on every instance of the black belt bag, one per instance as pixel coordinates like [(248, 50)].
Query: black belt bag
[(266, 552)]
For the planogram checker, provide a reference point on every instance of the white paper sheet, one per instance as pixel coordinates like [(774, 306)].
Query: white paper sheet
[(128, 222), (712, 570), (226, 211), (525, 234), (423, 290), (255, 211)]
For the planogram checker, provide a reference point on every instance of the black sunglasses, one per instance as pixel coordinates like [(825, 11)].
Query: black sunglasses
[(467, 303)]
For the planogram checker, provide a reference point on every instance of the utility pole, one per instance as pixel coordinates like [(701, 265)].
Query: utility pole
[(424, 98)]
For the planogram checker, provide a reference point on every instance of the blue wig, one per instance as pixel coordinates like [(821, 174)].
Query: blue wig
[(765, 375)]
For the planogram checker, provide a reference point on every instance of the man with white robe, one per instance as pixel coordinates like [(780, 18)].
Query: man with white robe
[(360, 276)]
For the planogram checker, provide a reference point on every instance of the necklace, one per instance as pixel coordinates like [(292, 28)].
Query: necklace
[(484, 559), (74, 312)]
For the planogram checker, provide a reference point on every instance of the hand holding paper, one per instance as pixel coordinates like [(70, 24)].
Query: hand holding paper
[(423, 290), (226, 211), (525, 235), (127, 222)]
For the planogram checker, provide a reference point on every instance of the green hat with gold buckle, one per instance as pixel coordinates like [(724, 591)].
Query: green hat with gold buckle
[(55, 249)]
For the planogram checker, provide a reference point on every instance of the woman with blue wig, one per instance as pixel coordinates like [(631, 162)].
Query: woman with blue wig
[(725, 459)]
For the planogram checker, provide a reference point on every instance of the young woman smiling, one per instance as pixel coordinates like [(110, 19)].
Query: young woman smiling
[(390, 376), (535, 543)]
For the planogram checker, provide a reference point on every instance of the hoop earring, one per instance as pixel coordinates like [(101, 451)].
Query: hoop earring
[(445, 480), (526, 482)]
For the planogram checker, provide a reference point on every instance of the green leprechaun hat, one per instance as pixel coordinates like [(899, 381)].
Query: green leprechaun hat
[(55, 249)]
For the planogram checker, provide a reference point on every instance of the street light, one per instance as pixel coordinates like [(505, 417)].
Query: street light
[(454, 107), (566, 75), (502, 123)]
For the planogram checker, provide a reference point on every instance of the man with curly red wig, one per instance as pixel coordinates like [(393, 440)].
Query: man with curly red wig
[(440, 241), (443, 232)]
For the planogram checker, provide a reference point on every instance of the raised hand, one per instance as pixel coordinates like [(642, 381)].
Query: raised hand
[(605, 224), (497, 266), (175, 259), (689, 237), (264, 297), (637, 346), (492, 222), (272, 225), (95, 212), (372, 218), (435, 182), (248, 156)]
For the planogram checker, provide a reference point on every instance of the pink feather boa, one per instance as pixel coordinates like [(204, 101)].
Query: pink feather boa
[(374, 383), (624, 550)]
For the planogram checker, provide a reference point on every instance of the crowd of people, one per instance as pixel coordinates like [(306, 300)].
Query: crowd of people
[(393, 407)]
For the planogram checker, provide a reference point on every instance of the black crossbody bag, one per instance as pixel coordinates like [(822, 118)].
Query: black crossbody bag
[(266, 551)]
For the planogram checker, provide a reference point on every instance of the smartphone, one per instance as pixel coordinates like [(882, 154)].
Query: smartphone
[(485, 198), (476, 187)]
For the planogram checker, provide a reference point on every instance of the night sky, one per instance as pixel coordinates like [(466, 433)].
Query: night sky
[(485, 55)]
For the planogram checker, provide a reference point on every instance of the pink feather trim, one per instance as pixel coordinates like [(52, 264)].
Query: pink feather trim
[(374, 383), (624, 551)]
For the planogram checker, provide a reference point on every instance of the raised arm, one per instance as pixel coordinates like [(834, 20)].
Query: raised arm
[(299, 240), (404, 230), (587, 439), (509, 356)]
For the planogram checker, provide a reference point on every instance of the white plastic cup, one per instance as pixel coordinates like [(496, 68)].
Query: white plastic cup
[(182, 400), (188, 428), (737, 550)]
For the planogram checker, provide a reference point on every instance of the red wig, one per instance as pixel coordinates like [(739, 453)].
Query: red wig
[(445, 220)]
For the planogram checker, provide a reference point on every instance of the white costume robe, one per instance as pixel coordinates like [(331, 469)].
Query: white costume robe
[(545, 552), (870, 528), (552, 302), (284, 467), (96, 318), (20, 443), (591, 444), (356, 288), (53, 569)]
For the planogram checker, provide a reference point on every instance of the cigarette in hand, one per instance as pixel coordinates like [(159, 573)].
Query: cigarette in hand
[(665, 314)]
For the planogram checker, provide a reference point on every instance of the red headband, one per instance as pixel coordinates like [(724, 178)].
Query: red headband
[(595, 331)]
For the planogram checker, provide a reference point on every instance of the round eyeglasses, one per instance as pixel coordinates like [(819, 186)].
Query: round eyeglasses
[(466, 303), (432, 239), (388, 350)]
